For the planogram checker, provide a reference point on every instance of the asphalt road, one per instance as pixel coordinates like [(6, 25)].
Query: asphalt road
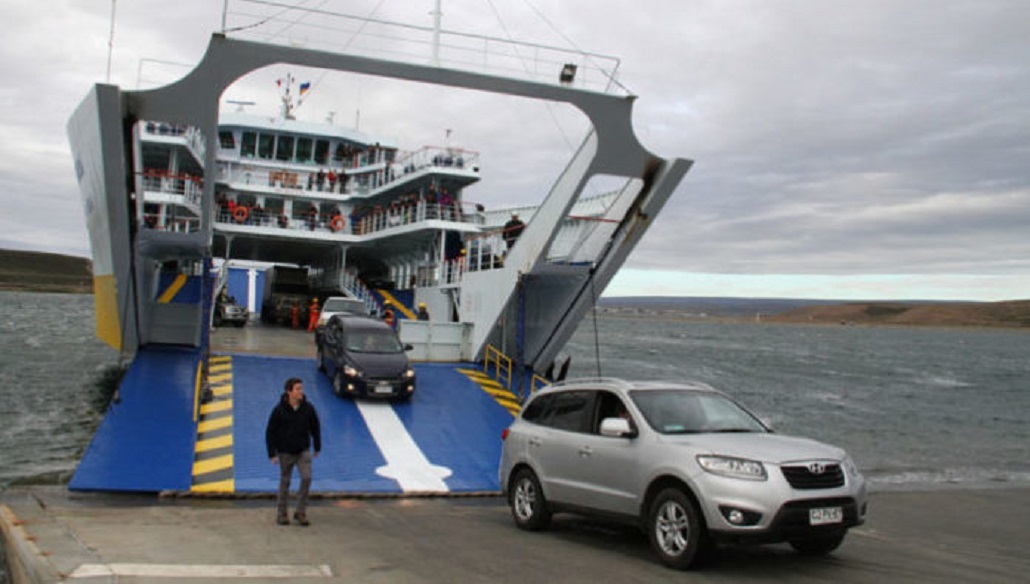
[(937, 536)]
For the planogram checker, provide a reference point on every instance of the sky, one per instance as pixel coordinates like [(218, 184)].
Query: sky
[(874, 149)]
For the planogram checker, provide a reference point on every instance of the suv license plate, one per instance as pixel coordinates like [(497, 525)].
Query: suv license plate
[(825, 515), (384, 388)]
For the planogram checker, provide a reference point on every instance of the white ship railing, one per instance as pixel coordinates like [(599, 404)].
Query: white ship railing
[(318, 28), (361, 178), (371, 220), (191, 137)]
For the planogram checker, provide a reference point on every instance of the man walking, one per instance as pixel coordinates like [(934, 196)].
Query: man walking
[(292, 428)]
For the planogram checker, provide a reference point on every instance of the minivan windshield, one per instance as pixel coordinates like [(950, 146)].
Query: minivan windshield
[(680, 411), (374, 341), (345, 305)]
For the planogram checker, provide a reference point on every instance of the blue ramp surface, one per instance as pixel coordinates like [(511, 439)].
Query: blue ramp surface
[(454, 424), (145, 442)]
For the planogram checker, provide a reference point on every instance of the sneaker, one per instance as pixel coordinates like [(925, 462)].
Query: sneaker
[(282, 520), (301, 519)]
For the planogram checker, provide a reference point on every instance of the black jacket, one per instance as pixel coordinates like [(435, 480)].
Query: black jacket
[(292, 431)]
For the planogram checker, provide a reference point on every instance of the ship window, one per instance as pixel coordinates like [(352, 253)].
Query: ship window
[(339, 152), (226, 140), (284, 148), (266, 142), (321, 151), (303, 149), (248, 146)]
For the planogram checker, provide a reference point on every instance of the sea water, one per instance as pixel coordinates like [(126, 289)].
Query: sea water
[(915, 407)]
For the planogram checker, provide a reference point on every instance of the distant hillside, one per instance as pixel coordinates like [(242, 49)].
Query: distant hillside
[(32, 271), (1014, 313), (799, 310)]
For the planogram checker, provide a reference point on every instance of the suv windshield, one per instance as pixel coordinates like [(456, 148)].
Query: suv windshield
[(689, 412), (372, 341)]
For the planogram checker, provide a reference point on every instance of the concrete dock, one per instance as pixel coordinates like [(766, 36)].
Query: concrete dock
[(55, 535)]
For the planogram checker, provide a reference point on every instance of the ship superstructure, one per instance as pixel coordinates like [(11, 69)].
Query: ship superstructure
[(171, 186)]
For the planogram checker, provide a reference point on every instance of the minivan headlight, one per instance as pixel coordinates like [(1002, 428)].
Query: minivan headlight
[(738, 468), (409, 373), (351, 371)]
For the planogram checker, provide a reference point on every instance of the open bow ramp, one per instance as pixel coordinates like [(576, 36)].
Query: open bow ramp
[(445, 440)]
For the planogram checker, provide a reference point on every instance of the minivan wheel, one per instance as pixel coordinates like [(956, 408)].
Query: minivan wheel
[(674, 528), (817, 546), (338, 383), (528, 505)]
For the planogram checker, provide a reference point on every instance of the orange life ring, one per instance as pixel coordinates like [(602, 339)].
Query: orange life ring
[(337, 223), (240, 213)]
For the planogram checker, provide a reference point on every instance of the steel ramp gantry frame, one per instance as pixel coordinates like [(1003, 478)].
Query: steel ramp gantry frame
[(612, 149)]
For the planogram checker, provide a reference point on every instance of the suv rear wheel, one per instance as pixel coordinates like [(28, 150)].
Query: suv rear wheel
[(528, 505), (674, 528)]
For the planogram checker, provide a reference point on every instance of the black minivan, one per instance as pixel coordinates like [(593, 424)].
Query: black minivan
[(364, 357)]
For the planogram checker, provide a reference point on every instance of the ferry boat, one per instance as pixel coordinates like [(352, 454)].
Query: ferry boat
[(176, 192)]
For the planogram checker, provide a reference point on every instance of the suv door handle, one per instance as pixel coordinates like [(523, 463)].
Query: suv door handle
[(586, 451), (535, 442)]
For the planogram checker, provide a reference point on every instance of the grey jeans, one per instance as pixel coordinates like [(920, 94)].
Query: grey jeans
[(286, 463)]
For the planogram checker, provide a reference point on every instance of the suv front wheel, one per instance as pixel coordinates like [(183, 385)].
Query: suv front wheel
[(528, 505), (675, 529)]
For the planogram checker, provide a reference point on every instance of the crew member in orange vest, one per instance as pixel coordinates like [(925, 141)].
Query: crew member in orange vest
[(313, 315), (388, 316), (295, 314)]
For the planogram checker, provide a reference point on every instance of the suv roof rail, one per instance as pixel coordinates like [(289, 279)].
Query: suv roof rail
[(609, 381)]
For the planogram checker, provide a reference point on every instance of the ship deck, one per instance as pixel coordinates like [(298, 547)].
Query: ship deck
[(159, 437)]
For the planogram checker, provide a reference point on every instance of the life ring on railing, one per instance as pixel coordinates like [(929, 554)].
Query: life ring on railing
[(337, 223), (240, 213)]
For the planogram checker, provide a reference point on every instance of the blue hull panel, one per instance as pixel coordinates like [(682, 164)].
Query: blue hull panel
[(454, 428)]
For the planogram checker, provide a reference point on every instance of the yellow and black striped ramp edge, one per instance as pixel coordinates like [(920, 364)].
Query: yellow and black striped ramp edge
[(213, 454), (502, 395)]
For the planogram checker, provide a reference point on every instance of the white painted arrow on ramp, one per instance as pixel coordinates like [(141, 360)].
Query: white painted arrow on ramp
[(405, 462)]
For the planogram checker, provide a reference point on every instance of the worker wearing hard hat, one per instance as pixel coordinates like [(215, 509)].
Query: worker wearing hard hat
[(423, 313)]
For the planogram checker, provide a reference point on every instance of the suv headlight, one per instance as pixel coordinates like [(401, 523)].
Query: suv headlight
[(409, 373), (351, 371), (738, 468)]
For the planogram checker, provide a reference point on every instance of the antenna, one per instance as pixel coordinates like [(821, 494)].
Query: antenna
[(239, 103), (110, 43)]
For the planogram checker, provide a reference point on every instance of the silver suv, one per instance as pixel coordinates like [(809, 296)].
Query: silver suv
[(685, 462)]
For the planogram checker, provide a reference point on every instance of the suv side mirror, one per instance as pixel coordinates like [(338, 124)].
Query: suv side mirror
[(617, 428), (409, 347)]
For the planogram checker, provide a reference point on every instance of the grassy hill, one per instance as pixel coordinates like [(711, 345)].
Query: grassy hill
[(33, 271), (1014, 313)]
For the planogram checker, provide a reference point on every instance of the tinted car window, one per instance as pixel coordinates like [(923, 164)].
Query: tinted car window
[(568, 411), (536, 409), (609, 405)]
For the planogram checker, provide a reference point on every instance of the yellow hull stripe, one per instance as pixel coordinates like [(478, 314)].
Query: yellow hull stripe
[(502, 396), (105, 307), (213, 457), (173, 289), (397, 304)]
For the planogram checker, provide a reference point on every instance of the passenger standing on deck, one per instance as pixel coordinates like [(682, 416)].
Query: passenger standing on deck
[(513, 229), (313, 315), (389, 317), (292, 428)]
